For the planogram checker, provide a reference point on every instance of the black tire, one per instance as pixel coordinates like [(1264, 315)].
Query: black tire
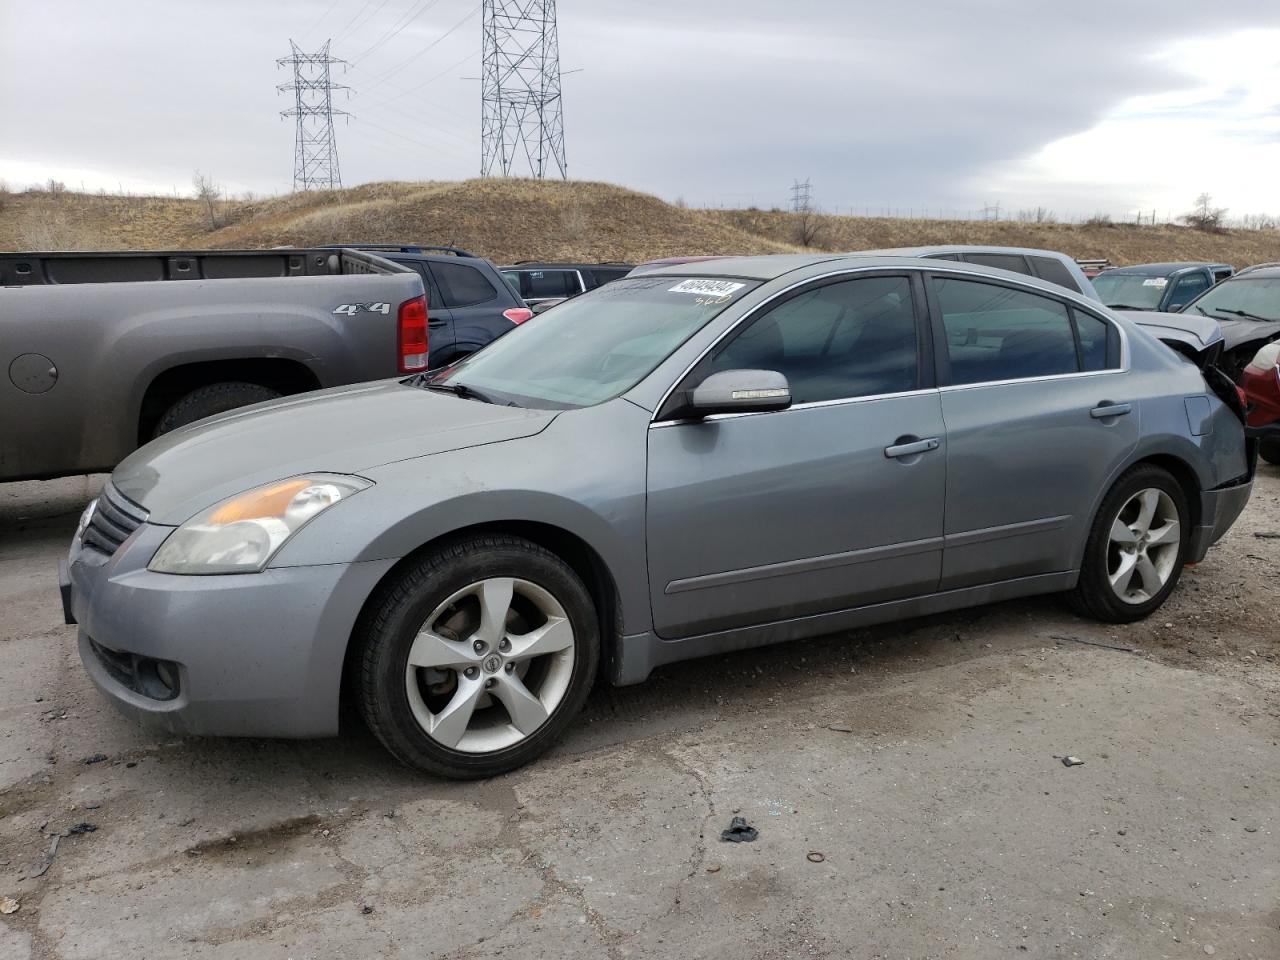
[(396, 612), (1093, 595), (208, 400), (1269, 450)]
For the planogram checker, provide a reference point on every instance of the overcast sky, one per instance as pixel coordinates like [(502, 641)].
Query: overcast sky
[(932, 105)]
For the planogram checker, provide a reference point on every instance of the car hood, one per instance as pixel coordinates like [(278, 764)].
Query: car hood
[(1196, 331), (1238, 332), (342, 430)]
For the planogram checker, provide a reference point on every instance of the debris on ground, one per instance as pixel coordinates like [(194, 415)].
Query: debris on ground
[(96, 758), (83, 827), (1072, 762), (713, 868), (814, 856), (41, 866), (1266, 535), (366, 909), (1092, 643), (8, 905), (739, 831), (840, 727)]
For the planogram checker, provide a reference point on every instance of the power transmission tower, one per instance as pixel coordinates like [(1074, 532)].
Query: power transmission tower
[(801, 196), (315, 151), (521, 116)]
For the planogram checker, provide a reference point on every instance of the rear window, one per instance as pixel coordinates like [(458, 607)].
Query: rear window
[(1002, 261), (461, 285), (1055, 271), (545, 284)]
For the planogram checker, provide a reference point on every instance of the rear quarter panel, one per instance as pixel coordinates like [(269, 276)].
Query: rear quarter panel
[(109, 341)]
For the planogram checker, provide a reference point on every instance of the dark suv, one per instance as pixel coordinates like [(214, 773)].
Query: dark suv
[(1166, 287), (547, 282), (468, 303)]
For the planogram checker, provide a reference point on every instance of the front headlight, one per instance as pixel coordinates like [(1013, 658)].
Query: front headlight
[(85, 517), (242, 534)]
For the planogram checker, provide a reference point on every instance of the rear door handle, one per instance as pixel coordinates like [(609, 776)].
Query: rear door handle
[(1104, 410), (911, 449)]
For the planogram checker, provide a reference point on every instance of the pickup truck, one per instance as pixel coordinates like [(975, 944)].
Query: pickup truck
[(101, 352)]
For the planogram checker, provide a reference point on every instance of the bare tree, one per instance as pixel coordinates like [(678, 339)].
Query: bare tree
[(210, 194), (808, 228), (1205, 216)]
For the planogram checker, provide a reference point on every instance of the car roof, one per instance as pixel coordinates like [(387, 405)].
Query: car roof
[(1162, 269), (549, 265), (1263, 271), (967, 248)]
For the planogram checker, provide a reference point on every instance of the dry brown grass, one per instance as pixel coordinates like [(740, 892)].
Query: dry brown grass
[(510, 220)]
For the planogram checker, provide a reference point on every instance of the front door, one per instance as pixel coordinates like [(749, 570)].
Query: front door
[(831, 504), (1038, 414)]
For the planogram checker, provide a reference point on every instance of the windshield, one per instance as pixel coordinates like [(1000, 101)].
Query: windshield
[(1244, 298), (1130, 291), (596, 346)]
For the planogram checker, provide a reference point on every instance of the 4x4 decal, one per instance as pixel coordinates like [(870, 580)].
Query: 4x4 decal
[(351, 309)]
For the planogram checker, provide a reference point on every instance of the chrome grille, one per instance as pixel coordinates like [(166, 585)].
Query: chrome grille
[(114, 518)]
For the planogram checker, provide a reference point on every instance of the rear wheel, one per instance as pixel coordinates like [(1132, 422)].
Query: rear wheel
[(475, 659), (1136, 548), (1269, 450), (211, 399)]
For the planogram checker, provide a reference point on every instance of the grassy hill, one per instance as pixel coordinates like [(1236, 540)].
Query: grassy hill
[(510, 220)]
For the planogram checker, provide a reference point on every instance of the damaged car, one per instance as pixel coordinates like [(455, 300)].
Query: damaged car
[(697, 460)]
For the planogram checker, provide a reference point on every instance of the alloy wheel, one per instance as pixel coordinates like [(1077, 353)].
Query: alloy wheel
[(1144, 545), (490, 665)]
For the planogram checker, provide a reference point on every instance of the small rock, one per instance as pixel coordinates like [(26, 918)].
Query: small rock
[(1251, 829), (713, 868), (1072, 762), (1209, 949), (1122, 832), (131, 764), (813, 856), (96, 758), (366, 909), (83, 828), (8, 905), (840, 728)]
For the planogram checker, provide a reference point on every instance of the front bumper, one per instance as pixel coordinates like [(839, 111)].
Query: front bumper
[(256, 654)]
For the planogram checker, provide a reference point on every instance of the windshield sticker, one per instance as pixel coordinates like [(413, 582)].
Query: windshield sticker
[(1155, 281), (707, 288)]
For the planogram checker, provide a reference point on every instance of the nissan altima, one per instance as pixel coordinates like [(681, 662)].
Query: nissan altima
[(706, 457)]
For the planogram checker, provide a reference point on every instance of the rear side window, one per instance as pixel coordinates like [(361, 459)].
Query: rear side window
[(1055, 271), (1004, 261), (1099, 342), (1192, 285), (461, 285), (997, 333), (541, 284)]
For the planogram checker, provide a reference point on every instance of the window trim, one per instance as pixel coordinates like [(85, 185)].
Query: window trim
[(934, 320), (924, 340), (942, 356)]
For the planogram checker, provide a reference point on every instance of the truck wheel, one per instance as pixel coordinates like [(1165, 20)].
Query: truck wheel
[(476, 657), (1136, 548), (1269, 450), (208, 400)]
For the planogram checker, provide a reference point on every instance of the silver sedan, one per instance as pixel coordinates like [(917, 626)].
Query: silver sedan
[(707, 457)]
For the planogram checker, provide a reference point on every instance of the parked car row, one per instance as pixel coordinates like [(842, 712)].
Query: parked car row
[(699, 458)]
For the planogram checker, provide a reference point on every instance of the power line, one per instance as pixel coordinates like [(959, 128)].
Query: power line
[(315, 151), (311, 29), (343, 32), (384, 77), (395, 30), (367, 20), (521, 108)]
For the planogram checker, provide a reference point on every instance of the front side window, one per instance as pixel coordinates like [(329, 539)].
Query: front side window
[(462, 286), (596, 346), (998, 333), (853, 338), (1189, 287)]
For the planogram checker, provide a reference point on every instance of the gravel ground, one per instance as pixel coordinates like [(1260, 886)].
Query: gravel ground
[(906, 782)]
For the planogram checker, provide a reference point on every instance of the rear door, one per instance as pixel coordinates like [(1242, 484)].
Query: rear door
[(475, 304), (833, 503), (1038, 412)]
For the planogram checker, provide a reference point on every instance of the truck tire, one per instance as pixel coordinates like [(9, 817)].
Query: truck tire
[(213, 398), (1269, 450)]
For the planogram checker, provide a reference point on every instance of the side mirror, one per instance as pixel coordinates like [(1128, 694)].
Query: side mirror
[(739, 391)]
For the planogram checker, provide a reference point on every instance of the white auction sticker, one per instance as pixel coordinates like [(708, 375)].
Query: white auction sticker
[(1155, 281), (707, 288)]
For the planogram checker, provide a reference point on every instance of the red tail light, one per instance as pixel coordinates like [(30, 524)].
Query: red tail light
[(518, 315), (413, 335)]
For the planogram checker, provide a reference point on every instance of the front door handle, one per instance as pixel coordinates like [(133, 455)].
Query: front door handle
[(911, 449), (1104, 410)]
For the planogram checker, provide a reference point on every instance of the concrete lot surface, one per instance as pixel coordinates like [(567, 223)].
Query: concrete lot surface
[(906, 783)]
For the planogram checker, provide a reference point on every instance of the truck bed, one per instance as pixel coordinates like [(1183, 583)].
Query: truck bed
[(35, 269)]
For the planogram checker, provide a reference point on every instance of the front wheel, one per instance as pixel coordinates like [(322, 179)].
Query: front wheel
[(1136, 548), (475, 658)]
